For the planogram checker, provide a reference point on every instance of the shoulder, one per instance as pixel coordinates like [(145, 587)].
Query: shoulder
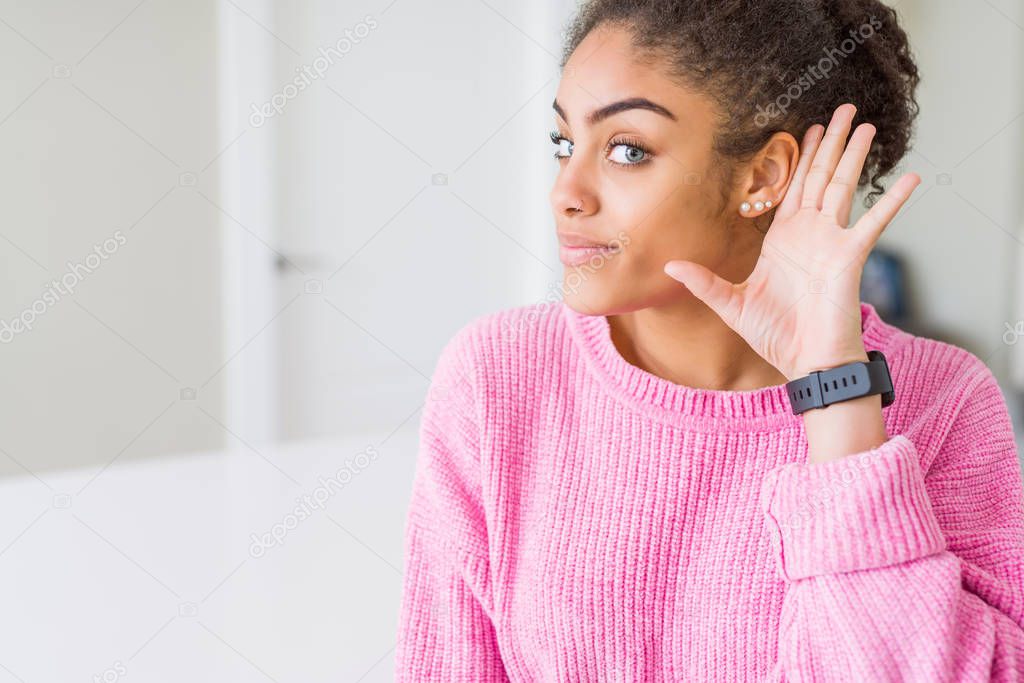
[(490, 362), (499, 341), (944, 393), (925, 366), (941, 372)]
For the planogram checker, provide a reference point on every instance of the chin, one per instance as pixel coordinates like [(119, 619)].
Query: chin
[(609, 297), (597, 301)]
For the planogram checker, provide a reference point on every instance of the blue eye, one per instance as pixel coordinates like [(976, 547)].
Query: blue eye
[(558, 140), (632, 153), (635, 153)]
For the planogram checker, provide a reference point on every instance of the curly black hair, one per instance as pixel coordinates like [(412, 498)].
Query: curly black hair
[(776, 65)]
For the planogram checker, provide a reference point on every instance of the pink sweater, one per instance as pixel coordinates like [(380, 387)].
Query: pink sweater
[(575, 518)]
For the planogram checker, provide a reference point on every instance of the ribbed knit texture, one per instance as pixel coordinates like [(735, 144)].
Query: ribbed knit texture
[(575, 518)]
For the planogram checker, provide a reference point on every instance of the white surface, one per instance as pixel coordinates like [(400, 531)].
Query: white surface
[(108, 579)]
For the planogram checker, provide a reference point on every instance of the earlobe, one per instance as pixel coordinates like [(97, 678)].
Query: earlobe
[(758, 206)]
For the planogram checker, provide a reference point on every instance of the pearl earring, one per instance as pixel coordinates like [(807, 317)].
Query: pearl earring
[(744, 207), (759, 205), (768, 204)]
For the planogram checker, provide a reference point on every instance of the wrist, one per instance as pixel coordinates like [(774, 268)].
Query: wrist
[(844, 428), (821, 388), (827, 362)]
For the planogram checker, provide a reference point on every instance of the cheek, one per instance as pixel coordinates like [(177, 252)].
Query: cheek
[(677, 228)]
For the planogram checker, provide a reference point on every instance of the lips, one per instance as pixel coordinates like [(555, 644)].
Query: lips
[(575, 249), (576, 240)]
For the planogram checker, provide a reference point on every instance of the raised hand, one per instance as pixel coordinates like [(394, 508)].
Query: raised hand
[(800, 307)]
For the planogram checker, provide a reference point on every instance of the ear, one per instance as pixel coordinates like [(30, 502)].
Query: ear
[(772, 170)]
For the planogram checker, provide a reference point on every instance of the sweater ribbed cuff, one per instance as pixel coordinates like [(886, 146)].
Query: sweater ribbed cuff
[(862, 511)]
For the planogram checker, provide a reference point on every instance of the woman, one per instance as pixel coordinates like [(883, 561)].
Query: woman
[(619, 487)]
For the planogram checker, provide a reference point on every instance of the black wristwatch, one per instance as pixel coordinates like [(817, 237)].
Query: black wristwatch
[(822, 388)]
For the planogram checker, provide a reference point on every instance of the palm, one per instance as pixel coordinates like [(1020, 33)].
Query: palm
[(800, 306), (804, 286)]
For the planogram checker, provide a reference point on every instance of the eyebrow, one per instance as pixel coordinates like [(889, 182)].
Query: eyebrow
[(598, 115)]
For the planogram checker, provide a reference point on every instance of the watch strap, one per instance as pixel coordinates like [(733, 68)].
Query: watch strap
[(822, 388)]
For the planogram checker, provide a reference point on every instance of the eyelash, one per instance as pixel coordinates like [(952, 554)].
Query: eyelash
[(556, 137)]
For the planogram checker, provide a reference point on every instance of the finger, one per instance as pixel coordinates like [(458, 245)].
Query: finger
[(870, 226), (827, 156), (791, 203), (719, 294), (840, 191)]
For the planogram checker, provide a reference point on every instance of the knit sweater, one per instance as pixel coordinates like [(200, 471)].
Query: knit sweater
[(576, 518)]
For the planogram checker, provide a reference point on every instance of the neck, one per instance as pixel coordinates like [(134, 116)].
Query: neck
[(688, 344)]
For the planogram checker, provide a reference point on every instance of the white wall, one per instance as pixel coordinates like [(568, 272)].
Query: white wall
[(413, 182), (108, 126), (963, 240)]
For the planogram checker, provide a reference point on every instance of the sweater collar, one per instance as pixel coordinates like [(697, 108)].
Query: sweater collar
[(674, 403)]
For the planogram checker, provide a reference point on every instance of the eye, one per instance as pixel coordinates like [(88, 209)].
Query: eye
[(630, 152), (633, 153), (563, 151)]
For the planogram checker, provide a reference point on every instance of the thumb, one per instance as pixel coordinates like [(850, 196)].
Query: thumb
[(713, 290)]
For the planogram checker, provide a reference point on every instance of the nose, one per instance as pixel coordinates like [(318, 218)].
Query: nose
[(569, 199)]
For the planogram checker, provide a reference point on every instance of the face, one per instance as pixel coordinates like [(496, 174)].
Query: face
[(638, 185)]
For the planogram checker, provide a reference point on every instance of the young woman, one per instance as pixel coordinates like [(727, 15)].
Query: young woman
[(619, 486)]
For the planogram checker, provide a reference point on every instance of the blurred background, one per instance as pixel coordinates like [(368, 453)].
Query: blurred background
[(237, 233)]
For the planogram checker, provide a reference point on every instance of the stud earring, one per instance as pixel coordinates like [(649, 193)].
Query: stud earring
[(759, 205), (744, 207), (768, 204)]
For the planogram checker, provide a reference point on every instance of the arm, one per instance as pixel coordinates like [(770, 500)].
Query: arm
[(446, 632), (894, 574)]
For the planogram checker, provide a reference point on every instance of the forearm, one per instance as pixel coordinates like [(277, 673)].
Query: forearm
[(843, 428), (877, 589)]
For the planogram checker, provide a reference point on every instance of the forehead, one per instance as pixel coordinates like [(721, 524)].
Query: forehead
[(605, 68), (605, 60)]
